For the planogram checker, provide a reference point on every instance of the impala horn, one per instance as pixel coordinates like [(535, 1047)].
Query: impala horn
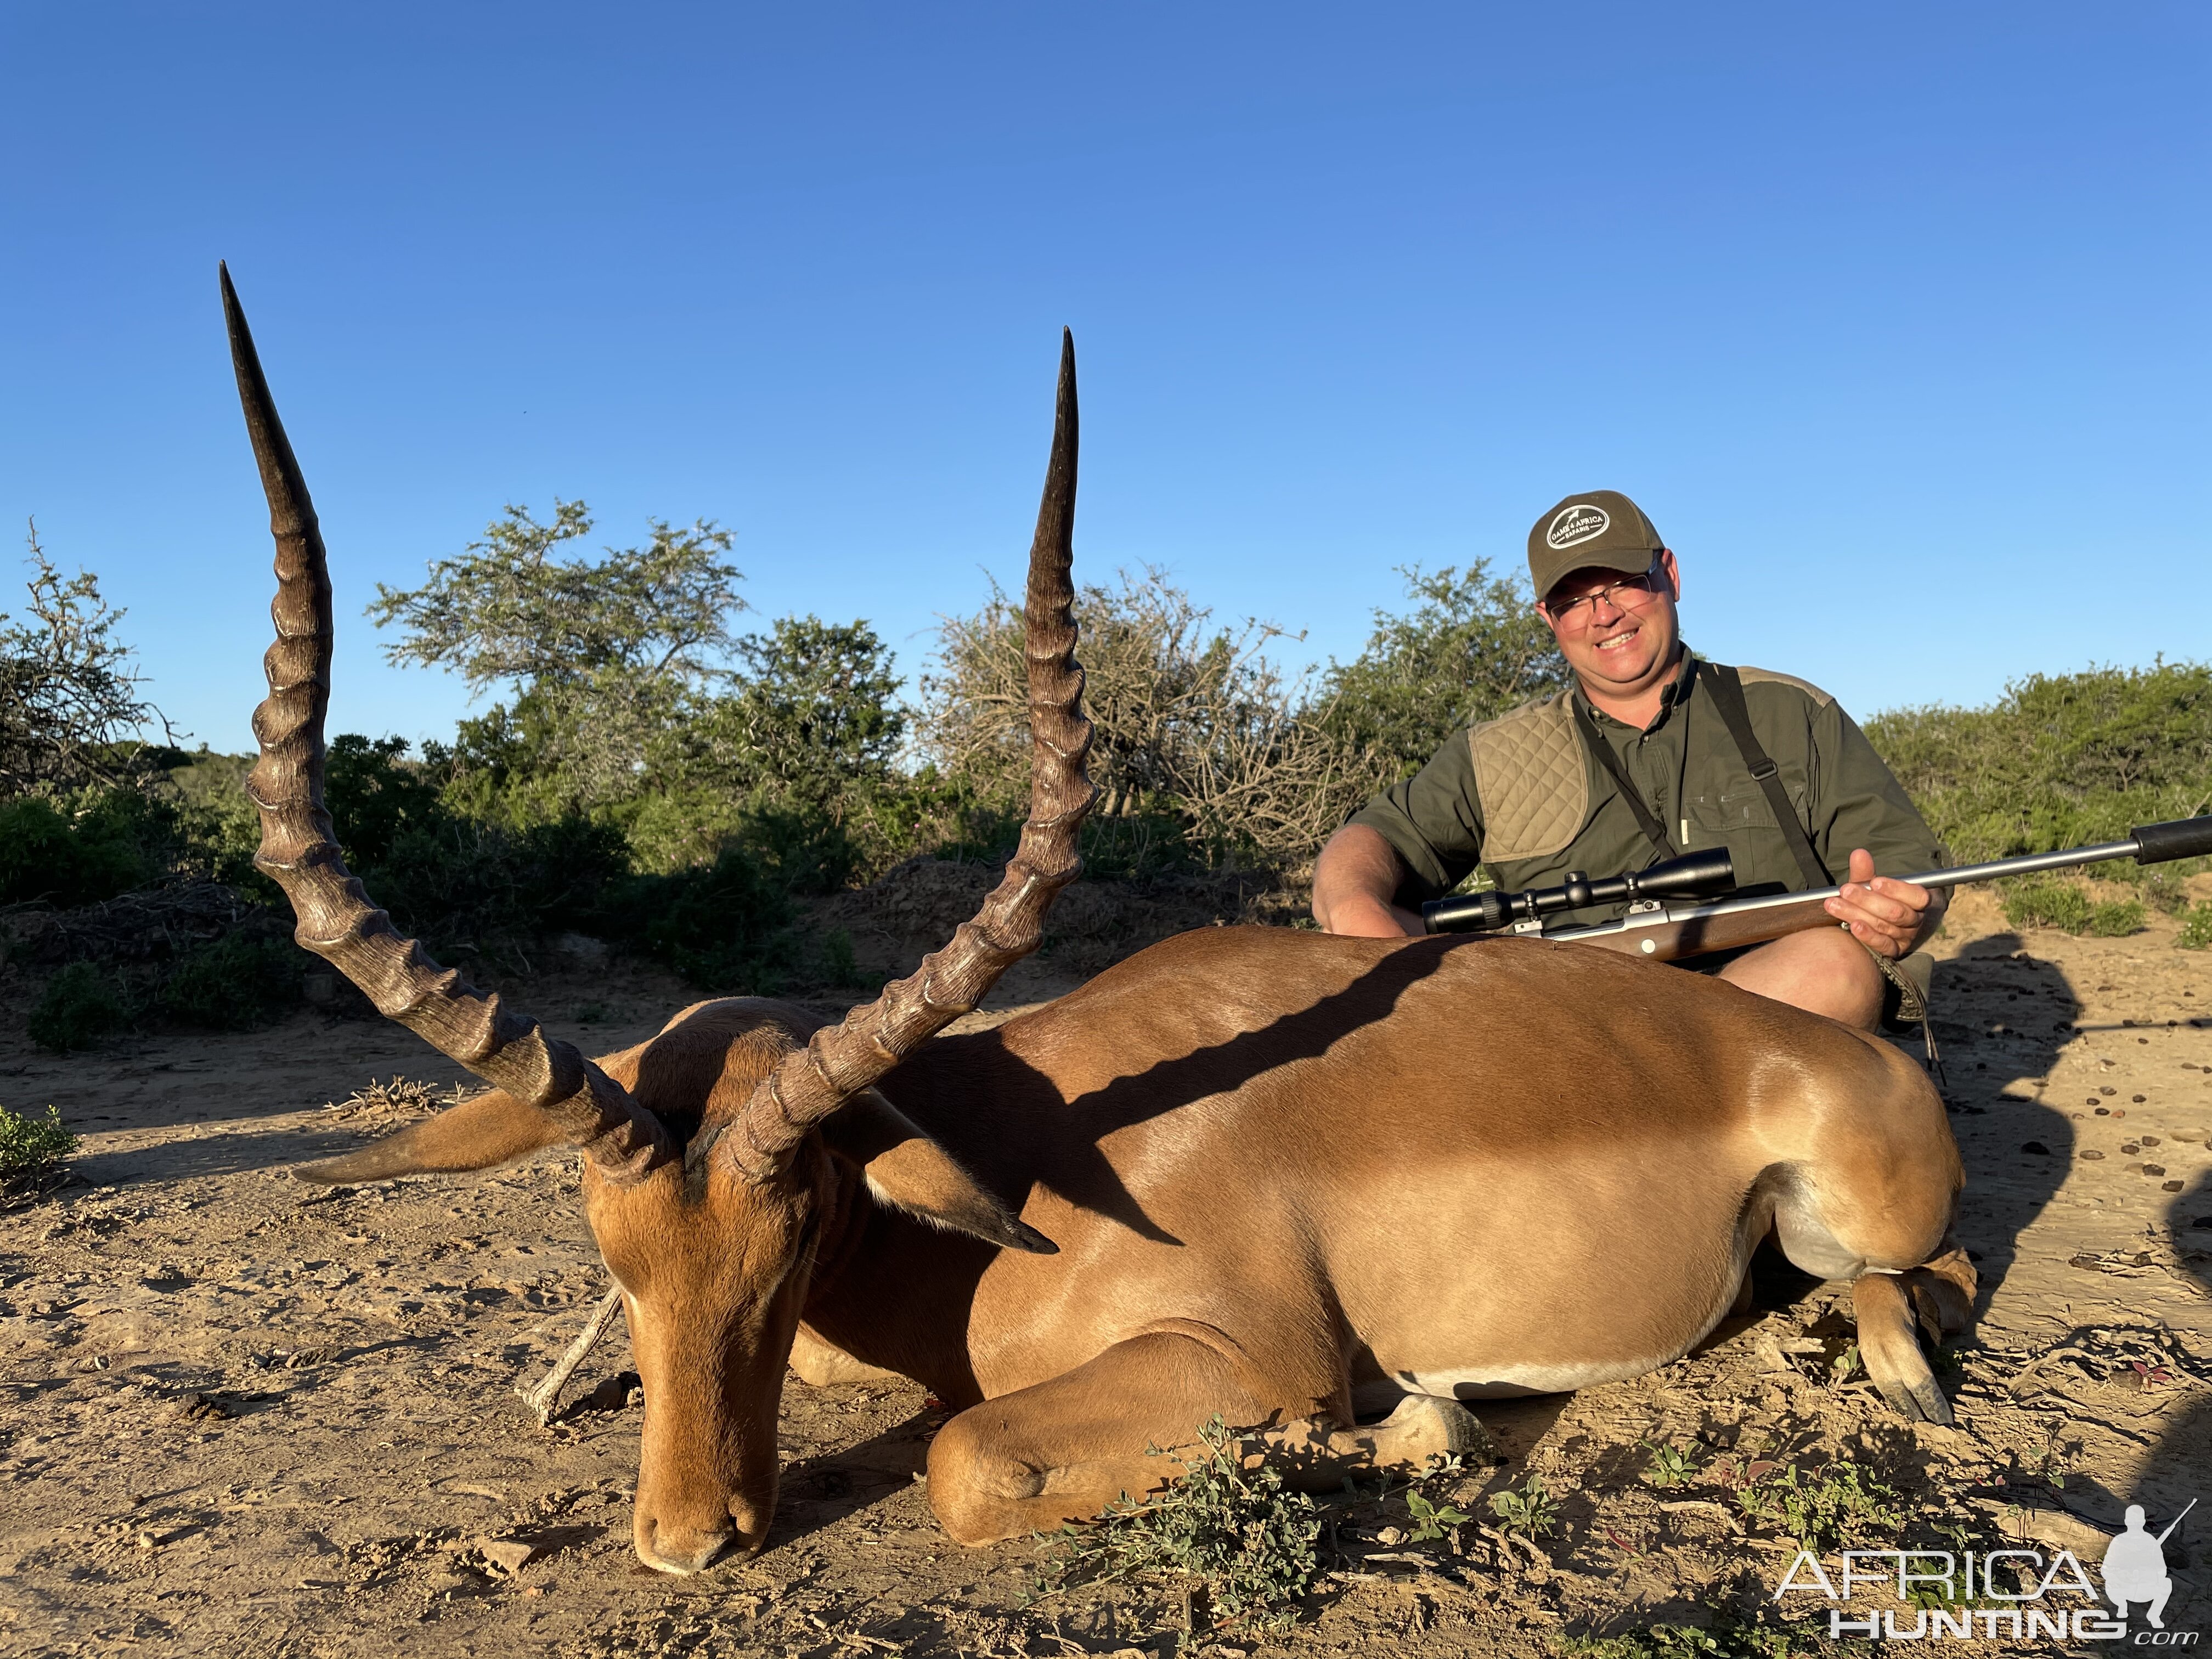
[(300, 852), (809, 1083)]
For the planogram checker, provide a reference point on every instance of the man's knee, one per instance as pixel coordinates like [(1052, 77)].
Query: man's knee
[(1823, 970)]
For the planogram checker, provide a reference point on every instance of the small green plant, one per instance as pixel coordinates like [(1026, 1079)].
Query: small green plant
[(1845, 1504), (31, 1149), (1228, 1530), (839, 966), (2197, 928), (233, 985), (2117, 918), (2049, 901), (1726, 1638), (1844, 1365), (79, 1006), (1529, 1513), (1432, 1519), (1670, 1466)]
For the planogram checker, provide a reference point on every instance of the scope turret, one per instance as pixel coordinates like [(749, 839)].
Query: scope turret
[(1694, 875)]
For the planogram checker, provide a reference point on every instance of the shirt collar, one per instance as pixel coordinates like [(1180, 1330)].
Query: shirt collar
[(1676, 692)]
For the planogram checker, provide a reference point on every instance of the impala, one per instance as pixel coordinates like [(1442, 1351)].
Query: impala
[(1270, 1174)]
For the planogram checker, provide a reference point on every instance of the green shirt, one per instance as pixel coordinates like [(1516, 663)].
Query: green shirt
[(1522, 795)]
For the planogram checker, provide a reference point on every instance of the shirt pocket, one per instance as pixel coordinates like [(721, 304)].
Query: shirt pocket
[(1734, 809)]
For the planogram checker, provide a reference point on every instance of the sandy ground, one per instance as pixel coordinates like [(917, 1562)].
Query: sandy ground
[(243, 1416)]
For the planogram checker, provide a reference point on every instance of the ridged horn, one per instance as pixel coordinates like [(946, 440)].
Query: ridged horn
[(300, 852), (811, 1083)]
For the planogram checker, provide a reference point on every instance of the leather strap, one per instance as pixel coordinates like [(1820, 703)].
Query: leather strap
[(1595, 741), (1727, 687)]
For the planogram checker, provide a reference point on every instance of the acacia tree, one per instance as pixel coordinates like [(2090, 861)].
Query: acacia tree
[(69, 698), (604, 654)]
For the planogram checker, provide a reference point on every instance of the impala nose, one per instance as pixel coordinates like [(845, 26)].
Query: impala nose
[(683, 1550)]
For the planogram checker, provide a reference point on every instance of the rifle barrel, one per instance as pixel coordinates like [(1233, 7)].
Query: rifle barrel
[(2027, 864)]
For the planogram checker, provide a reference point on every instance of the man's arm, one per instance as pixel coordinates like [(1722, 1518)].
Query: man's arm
[(1355, 878), (1870, 814)]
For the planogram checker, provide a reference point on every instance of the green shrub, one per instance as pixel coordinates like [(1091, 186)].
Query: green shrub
[(234, 984), (2057, 901), (2117, 918), (2049, 901), (1229, 1531), (460, 884), (31, 1149), (375, 795), (80, 1005), (2197, 928), (79, 852), (2059, 761), (725, 927)]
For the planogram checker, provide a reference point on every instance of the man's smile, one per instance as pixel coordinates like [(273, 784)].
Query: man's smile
[(1622, 639)]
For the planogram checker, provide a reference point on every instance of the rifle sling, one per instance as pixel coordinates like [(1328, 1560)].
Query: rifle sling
[(1595, 741), (1727, 688)]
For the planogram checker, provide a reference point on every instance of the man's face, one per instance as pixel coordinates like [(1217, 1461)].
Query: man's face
[(1617, 632)]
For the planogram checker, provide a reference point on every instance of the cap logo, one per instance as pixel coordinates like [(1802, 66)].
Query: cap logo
[(1573, 526)]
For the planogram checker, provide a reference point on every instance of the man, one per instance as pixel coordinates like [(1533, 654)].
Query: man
[(1655, 753)]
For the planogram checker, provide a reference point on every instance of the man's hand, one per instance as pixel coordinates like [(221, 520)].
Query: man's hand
[(1354, 879), (1887, 917)]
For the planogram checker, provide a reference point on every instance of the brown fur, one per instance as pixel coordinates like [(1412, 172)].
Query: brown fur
[(1280, 1168)]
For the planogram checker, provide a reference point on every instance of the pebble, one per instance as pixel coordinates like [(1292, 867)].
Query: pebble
[(2092, 1156), (2171, 1186), (512, 1554), (2036, 1147), (2153, 1169)]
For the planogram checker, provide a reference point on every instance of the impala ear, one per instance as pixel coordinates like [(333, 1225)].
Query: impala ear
[(916, 1176), (483, 1134)]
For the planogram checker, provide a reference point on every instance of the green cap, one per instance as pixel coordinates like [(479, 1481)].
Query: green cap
[(1600, 527)]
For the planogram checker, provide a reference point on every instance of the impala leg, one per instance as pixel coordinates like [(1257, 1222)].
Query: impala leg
[(1063, 1449), (1035, 1459), (1942, 1290), (823, 1364), (1315, 1456), (1889, 1344)]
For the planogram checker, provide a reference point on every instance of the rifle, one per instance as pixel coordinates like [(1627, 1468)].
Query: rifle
[(1663, 932)]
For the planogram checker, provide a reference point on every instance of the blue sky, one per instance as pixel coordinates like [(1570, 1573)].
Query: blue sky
[(1892, 317)]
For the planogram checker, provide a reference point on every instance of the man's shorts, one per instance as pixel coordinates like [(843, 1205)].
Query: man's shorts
[(1905, 984)]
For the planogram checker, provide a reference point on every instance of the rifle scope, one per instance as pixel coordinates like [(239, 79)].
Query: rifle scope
[(1694, 875)]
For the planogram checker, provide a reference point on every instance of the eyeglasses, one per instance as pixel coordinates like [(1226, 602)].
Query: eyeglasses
[(1631, 593)]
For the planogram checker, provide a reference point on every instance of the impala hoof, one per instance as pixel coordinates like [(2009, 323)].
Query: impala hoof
[(683, 1551), (1424, 1426), (1919, 1403)]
